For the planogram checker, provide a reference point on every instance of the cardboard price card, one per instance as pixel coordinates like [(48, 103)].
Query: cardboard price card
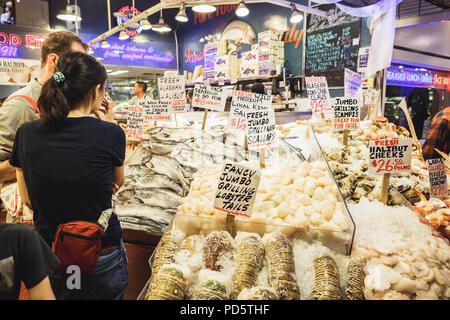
[(390, 156), (260, 128), (157, 110), (135, 121), (243, 102), (352, 84), (173, 89), (207, 97), (346, 113), (237, 189), (438, 178), (318, 94)]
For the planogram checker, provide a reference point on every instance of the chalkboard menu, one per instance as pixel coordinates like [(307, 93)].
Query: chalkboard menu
[(331, 46)]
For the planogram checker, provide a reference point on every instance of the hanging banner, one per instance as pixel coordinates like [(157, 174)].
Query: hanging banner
[(352, 84), (390, 156), (173, 89), (212, 98), (438, 178), (135, 122), (156, 110), (346, 113), (237, 189), (318, 94)]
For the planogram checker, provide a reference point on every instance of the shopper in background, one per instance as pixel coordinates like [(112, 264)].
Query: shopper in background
[(21, 106), (258, 88), (25, 257), (438, 136), (72, 163), (140, 91)]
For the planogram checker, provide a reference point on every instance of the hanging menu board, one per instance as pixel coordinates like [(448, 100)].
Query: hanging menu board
[(331, 46)]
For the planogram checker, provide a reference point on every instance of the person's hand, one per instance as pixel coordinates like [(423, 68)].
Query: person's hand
[(106, 114), (115, 188)]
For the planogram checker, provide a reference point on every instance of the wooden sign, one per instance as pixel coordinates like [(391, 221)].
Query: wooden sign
[(236, 191), (390, 156), (438, 178), (135, 122)]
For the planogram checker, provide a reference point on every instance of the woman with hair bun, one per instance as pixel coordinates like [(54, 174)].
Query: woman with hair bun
[(68, 165)]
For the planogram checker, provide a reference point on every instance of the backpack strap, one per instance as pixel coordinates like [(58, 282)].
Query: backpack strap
[(29, 100)]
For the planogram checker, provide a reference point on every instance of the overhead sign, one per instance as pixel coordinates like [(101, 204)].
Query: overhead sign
[(236, 191), (390, 156), (438, 178), (346, 113), (207, 97)]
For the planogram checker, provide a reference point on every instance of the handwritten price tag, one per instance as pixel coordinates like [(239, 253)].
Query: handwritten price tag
[(390, 156), (438, 178), (135, 122)]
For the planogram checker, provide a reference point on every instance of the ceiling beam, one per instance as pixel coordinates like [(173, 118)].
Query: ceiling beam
[(148, 12)]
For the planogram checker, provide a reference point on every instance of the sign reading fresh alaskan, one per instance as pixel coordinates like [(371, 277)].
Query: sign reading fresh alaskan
[(173, 89), (346, 113), (212, 98), (438, 178), (135, 121), (318, 94), (237, 189), (156, 110), (390, 156)]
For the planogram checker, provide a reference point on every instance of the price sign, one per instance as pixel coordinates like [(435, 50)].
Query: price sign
[(438, 178), (318, 94), (172, 89), (261, 128), (236, 191), (346, 113), (157, 110), (207, 97), (390, 156), (352, 84), (135, 121), (243, 102)]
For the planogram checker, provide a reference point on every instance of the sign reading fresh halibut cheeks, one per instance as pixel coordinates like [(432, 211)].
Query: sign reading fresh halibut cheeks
[(390, 156), (237, 189)]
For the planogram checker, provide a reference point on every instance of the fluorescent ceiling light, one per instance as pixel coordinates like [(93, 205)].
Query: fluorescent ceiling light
[(242, 10), (117, 72), (204, 8), (109, 70)]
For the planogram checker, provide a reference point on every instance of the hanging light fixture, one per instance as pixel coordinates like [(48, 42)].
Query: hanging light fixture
[(242, 10), (161, 26), (90, 51), (204, 8), (145, 24), (140, 39), (181, 16), (123, 35), (296, 16), (67, 14), (105, 44)]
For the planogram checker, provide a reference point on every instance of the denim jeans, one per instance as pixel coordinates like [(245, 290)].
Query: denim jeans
[(107, 282)]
